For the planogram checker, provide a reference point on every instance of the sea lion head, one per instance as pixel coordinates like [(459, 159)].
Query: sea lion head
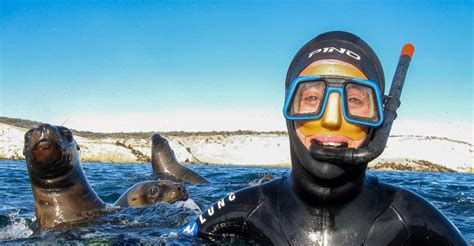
[(59, 185), (159, 143), (50, 151), (162, 156), (151, 192)]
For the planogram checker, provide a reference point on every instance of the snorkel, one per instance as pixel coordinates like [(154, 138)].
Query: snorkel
[(375, 147)]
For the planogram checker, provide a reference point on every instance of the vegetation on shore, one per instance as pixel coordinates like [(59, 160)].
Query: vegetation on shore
[(138, 135)]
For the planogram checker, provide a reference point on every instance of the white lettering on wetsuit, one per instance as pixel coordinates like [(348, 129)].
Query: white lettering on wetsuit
[(216, 207), (220, 204), (201, 219), (332, 49), (192, 227)]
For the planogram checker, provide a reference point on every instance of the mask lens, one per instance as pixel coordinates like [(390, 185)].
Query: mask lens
[(308, 98), (361, 102)]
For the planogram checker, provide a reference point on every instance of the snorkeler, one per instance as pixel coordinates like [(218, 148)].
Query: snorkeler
[(338, 120)]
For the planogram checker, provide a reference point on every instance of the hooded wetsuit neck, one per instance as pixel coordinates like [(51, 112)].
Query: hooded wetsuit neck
[(316, 181), (314, 190)]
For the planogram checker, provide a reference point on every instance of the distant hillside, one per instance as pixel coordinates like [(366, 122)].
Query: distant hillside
[(403, 152), (138, 135), (19, 122)]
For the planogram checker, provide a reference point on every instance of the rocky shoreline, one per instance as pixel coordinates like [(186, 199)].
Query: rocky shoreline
[(411, 166), (403, 152)]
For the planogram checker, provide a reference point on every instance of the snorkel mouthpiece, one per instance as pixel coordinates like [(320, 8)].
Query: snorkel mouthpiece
[(351, 156)]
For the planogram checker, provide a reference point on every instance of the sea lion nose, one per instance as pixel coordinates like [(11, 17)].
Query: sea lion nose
[(46, 132), (44, 128)]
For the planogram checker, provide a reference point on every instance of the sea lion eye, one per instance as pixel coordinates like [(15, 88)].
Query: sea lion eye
[(67, 134)]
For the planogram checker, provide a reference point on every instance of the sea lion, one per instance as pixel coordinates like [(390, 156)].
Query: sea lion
[(60, 188), (150, 192), (165, 164)]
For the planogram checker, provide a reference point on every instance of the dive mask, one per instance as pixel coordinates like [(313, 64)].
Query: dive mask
[(361, 99)]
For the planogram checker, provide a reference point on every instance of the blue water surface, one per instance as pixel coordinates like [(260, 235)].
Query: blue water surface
[(452, 193)]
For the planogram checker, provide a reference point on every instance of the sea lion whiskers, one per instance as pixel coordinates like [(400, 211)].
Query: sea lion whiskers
[(64, 122)]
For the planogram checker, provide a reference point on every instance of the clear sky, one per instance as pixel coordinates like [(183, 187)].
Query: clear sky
[(73, 60)]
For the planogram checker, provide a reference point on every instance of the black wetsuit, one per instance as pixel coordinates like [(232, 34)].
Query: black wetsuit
[(328, 199), (377, 214)]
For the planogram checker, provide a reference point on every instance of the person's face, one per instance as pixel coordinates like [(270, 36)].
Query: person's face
[(332, 129)]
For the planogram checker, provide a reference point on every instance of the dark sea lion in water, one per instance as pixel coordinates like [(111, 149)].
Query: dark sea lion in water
[(150, 192), (60, 188), (166, 165)]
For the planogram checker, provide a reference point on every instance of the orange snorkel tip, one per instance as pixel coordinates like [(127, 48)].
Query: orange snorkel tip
[(408, 49)]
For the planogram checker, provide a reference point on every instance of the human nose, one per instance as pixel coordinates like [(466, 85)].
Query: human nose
[(332, 114)]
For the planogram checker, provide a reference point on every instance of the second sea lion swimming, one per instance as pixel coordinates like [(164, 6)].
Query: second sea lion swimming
[(150, 192), (166, 165), (60, 188)]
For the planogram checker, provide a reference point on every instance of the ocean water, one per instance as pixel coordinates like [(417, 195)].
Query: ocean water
[(452, 193)]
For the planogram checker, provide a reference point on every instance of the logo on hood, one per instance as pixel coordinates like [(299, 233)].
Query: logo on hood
[(347, 52)]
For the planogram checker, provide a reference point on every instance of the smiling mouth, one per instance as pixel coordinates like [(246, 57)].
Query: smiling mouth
[(329, 144)]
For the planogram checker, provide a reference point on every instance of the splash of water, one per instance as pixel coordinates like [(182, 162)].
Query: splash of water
[(189, 204), (18, 227)]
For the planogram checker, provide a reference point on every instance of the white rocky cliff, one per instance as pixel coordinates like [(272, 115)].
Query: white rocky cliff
[(251, 148)]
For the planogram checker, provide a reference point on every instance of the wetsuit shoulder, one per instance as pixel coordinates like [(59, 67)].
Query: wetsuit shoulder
[(228, 216), (423, 223)]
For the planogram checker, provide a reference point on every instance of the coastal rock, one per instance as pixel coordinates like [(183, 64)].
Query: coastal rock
[(410, 165), (403, 152), (11, 142), (245, 149)]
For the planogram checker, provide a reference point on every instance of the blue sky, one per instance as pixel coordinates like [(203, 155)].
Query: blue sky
[(60, 58)]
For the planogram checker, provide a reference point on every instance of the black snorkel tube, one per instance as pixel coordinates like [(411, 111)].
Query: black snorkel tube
[(351, 156)]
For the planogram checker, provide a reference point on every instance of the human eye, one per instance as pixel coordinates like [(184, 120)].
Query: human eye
[(309, 103), (355, 101), (312, 99)]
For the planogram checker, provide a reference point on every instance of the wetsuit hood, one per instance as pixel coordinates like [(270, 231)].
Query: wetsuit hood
[(329, 179), (342, 46)]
